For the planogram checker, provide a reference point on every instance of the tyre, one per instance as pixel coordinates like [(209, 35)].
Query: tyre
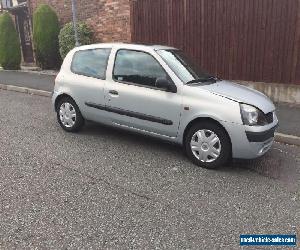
[(208, 145), (68, 115)]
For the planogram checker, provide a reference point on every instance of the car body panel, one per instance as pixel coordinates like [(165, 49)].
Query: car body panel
[(82, 89), (241, 94), (163, 106), (144, 101)]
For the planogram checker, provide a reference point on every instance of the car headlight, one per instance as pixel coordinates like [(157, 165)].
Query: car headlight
[(252, 116)]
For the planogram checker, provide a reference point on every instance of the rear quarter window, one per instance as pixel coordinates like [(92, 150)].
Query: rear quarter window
[(92, 63)]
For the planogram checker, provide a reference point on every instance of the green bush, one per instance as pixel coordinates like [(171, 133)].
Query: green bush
[(45, 37), (10, 52), (67, 37)]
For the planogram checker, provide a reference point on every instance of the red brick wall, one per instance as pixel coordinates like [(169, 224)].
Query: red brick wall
[(110, 19)]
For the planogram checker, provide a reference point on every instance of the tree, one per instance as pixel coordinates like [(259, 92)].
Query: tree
[(67, 37), (45, 37), (10, 52)]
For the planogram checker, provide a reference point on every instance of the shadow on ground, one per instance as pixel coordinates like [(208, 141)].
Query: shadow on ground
[(276, 164)]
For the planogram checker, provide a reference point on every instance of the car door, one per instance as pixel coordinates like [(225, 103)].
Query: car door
[(134, 100), (88, 81)]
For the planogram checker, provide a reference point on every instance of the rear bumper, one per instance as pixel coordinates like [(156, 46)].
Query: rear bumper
[(54, 96)]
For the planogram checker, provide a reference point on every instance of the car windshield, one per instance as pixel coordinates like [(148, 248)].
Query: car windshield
[(187, 71)]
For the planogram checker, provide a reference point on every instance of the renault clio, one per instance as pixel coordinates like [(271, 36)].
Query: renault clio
[(158, 91)]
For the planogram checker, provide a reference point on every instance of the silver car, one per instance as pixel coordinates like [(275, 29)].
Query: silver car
[(157, 91)]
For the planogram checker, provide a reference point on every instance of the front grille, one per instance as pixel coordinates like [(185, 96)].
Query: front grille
[(260, 136), (269, 117)]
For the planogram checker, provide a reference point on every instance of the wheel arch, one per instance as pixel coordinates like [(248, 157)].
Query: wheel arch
[(204, 119), (61, 96)]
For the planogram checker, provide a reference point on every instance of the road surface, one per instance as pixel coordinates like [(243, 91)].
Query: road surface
[(107, 188)]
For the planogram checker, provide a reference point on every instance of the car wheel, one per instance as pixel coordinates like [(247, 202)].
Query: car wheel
[(208, 145), (68, 115)]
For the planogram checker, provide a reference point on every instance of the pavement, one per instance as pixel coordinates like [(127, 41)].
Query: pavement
[(289, 119), (104, 188), (33, 80), (289, 115)]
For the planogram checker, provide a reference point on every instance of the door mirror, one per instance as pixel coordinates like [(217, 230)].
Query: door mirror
[(163, 83)]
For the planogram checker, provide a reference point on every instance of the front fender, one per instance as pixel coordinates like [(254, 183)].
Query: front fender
[(204, 104)]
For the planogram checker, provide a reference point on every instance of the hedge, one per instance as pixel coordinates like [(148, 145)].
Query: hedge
[(45, 37), (67, 37), (10, 51)]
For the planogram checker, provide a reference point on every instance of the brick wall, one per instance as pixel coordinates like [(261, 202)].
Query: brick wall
[(110, 19)]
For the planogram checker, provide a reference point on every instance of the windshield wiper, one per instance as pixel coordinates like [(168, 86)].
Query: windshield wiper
[(202, 80)]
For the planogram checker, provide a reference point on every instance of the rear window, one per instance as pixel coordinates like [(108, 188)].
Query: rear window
[(91, 62)]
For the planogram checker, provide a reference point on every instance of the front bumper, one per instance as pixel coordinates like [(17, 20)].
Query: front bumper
[(260, 136), (249, 142)]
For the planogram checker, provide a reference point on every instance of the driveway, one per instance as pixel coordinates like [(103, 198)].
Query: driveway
[(106, 188)]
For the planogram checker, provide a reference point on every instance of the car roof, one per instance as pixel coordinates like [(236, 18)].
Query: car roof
[(124, 45)]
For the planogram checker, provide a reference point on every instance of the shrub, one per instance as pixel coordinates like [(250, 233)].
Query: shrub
[(67, 37), (45, 37), (10, 52)]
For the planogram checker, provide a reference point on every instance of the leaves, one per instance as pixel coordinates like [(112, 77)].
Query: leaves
[(10, 51), (45, 37), (67, 37)]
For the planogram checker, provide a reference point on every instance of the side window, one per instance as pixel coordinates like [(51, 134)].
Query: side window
[(91, 62), (137, 67)]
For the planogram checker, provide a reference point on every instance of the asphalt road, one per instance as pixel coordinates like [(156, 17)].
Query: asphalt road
[(106, 188)]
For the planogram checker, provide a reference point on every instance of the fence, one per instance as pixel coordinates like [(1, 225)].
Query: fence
[(256, 40)]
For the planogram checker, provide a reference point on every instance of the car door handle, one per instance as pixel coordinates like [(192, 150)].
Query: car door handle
[(113, 92)]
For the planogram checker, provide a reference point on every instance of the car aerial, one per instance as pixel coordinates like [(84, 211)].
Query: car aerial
[(156, 90)]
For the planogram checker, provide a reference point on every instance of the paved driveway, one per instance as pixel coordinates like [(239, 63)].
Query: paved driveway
[(106, 188)]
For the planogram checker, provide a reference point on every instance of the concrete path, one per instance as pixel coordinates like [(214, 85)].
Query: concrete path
[(289, 116), (289, 119)]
